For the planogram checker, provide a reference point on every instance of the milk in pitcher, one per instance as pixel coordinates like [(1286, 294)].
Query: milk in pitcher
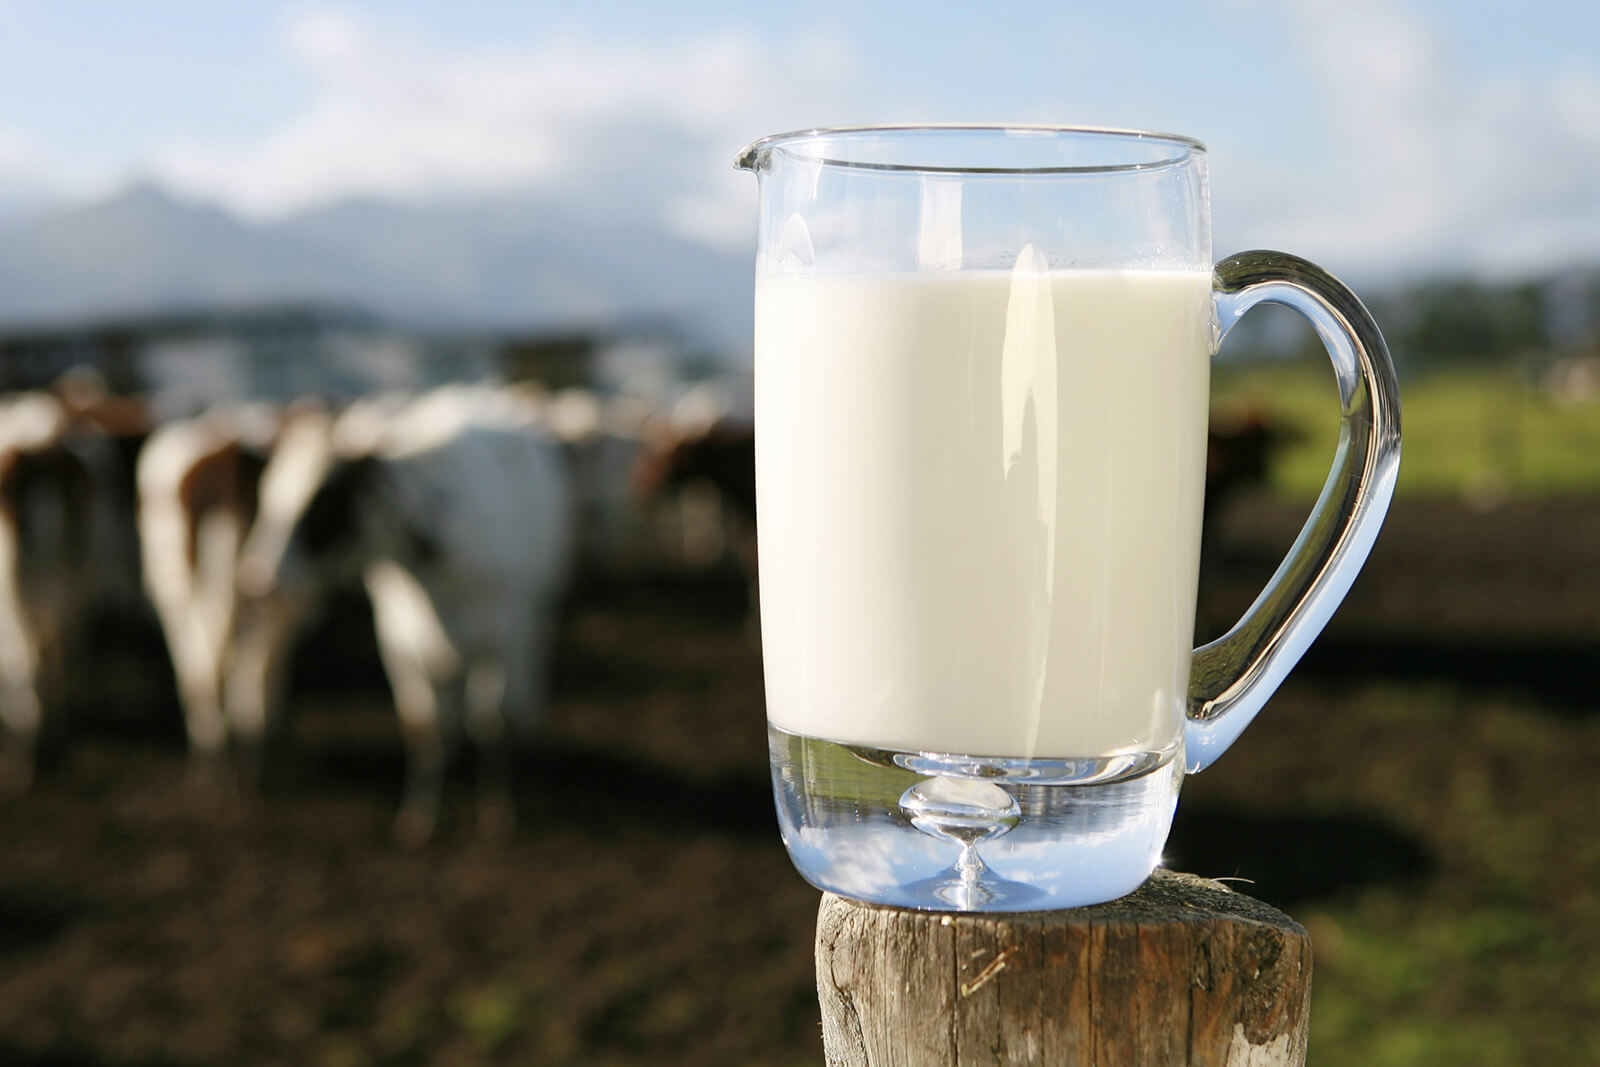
[(988, 534)]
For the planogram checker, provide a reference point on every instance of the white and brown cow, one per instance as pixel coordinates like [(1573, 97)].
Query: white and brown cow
[(108, 431), (456, 517), (602, 438), (46, 571), (198, 482), (709, 473)]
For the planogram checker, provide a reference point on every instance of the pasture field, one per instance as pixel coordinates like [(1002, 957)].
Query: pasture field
[(1421, 789), (1420, 794), (1481, 434)]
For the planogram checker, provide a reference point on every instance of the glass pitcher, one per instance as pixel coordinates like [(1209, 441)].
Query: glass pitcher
[(982, 366)]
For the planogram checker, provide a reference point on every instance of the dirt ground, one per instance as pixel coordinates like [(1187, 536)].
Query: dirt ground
[(645, 912)]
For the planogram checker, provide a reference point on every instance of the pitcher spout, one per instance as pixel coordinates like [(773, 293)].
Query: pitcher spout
[(751, 156), (757, 155)]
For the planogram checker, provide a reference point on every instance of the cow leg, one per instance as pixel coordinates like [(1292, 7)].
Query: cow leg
[(420, 729), (21, 710), (426, 677), (527, 659), (491, 741), (430, 719), (32, 680), (256, 679), (207, 732), (496, 690), (196, 668), (50, 688)]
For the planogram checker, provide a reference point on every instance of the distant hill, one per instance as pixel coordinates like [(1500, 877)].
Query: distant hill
[(487, 263), (525, 263)]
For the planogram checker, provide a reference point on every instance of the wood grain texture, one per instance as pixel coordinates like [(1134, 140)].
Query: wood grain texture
[(1182, 971)]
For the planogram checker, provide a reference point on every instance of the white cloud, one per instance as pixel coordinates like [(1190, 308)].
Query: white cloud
[(29, 174), (1431, 162), (1423, 159), (22, 158), (637, 127)]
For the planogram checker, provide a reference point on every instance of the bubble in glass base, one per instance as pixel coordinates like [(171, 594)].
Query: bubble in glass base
[(965, 812), (963, 833)]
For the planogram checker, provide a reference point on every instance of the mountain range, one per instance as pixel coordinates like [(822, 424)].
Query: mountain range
[(490, 263)]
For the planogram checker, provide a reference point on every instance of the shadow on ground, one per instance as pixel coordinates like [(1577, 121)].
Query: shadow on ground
[(1287, 860), (67, 1055), (1558, 675)]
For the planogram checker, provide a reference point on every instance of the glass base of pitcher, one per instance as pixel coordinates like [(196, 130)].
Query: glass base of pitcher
[(949, 832)]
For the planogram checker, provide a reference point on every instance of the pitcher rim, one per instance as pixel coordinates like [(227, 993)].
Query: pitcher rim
[(751, 156)]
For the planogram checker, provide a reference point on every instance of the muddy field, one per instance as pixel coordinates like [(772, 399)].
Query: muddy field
[(645, 912)]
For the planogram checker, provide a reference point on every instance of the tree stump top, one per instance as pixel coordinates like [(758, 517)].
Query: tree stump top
[(1181, 971)]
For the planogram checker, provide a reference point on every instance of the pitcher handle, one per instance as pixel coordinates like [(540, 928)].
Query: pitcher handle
[(1232, 677)]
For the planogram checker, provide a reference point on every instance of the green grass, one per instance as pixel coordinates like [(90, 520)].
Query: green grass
[(1491, 959), (1405, 982), (491, 1015), (1483, 434)]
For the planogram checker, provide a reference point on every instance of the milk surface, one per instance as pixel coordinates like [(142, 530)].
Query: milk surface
[(979, 502)]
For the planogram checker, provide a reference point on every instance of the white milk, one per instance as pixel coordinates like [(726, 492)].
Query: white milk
[(980, 500)]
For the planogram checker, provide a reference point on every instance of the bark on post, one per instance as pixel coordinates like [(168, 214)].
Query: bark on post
[(1181, 972)]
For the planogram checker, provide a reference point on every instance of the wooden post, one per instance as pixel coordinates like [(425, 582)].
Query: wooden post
[(1180, 972)]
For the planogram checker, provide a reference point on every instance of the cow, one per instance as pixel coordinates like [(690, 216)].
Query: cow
[(722, 455), (601, 439), (1242, 442), (701, 456), (455, 516), (1240, 448), (108, 431), (47, 571), (715, 463), (198, 482)]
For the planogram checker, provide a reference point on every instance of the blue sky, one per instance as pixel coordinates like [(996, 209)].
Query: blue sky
[(1379, 136)]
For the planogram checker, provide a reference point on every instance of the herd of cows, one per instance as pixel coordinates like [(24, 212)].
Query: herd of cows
[(463, 512)]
